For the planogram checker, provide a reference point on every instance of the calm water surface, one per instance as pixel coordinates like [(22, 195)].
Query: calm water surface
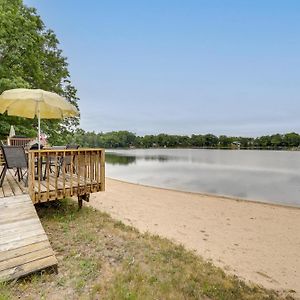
[(267, 176)]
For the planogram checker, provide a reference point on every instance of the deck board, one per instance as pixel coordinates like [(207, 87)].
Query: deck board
[(24, 245), (47, 190)]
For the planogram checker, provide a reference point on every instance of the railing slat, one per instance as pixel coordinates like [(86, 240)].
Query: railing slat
[(82, 172), (56, 173), (98, 155), (48, 166), (64, 172), (102, 170), (39, 167), (72, 172)]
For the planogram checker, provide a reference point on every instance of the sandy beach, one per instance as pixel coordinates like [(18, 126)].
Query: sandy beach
[(257, 242)]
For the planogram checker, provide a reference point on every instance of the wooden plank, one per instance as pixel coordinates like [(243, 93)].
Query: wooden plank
[(23, 242), (31, 176), (11, 200), (56, 168), (9, 204), (49, 159), (25, 258), (39, 173), (24, 216), (7, 190), (71, 172), (81, 180), (85, 170), (48, 185), (14, 207), (7, 238), (24, 246), (98, 154), (8, 213), (102, 170), (63, 173), (16, 186), (15, 231), (28, 268), (14, 200), (40, 188), (1, 192), (19, 223), (12, 253)]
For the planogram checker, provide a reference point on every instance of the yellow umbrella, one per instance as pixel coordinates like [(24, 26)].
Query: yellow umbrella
[(29, 103)]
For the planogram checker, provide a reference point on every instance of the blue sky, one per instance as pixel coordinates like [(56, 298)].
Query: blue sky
[(182, 67)]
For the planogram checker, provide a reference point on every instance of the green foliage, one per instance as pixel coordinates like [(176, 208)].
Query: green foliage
[(126, 139), (30, 58)]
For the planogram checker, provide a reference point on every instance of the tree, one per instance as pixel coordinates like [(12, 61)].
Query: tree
[(292, 139), (197, 140), (276, 140), (210, 140), (263, 141), (30, 58), (225, 142)]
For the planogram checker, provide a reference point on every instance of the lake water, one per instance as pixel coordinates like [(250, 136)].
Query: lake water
[(267, 176)]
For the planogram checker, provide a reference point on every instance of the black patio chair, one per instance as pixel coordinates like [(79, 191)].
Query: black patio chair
[(51, 159), (14, 158), (66, 161)]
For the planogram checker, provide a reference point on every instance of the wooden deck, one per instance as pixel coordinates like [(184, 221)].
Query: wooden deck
[(51, 175), (11, 187), (24, 245), (51, 188), (66, 173)]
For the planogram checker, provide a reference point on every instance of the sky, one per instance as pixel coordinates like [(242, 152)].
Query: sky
[(181, 67)]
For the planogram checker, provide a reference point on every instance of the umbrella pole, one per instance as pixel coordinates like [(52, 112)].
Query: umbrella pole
[(39, 127)]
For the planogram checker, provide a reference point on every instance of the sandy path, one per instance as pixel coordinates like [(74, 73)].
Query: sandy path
[(257, 242)]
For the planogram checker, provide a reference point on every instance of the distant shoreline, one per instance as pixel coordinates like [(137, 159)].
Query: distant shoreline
[(206, 148), (124, 138)]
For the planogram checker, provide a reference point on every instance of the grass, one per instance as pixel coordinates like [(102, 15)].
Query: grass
[(100, 258)]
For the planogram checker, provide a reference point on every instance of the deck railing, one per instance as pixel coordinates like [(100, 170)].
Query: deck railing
[(56, 174), (19, 141), (2, 162)]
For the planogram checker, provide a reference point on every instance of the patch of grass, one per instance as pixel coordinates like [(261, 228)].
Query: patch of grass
[(100, 258), (5, 293)]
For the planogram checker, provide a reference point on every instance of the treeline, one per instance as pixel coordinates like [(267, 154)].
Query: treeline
[(126, 139)]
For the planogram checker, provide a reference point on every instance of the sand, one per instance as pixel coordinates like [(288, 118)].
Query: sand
[(257, 242)]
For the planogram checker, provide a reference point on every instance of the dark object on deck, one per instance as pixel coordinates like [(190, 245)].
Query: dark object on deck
[(66, 160), (52, 158), (14, 158), (36, 147), (69, 146)]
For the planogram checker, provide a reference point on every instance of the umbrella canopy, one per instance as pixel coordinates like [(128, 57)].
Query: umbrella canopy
[(29, 103)]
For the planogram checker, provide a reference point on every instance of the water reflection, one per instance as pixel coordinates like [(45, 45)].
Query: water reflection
[(160, 158), (268, 176), (123, 159), (115, 159)]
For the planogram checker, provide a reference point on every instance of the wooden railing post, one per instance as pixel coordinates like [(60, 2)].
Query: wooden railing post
[(31, 179), (102, 170)]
